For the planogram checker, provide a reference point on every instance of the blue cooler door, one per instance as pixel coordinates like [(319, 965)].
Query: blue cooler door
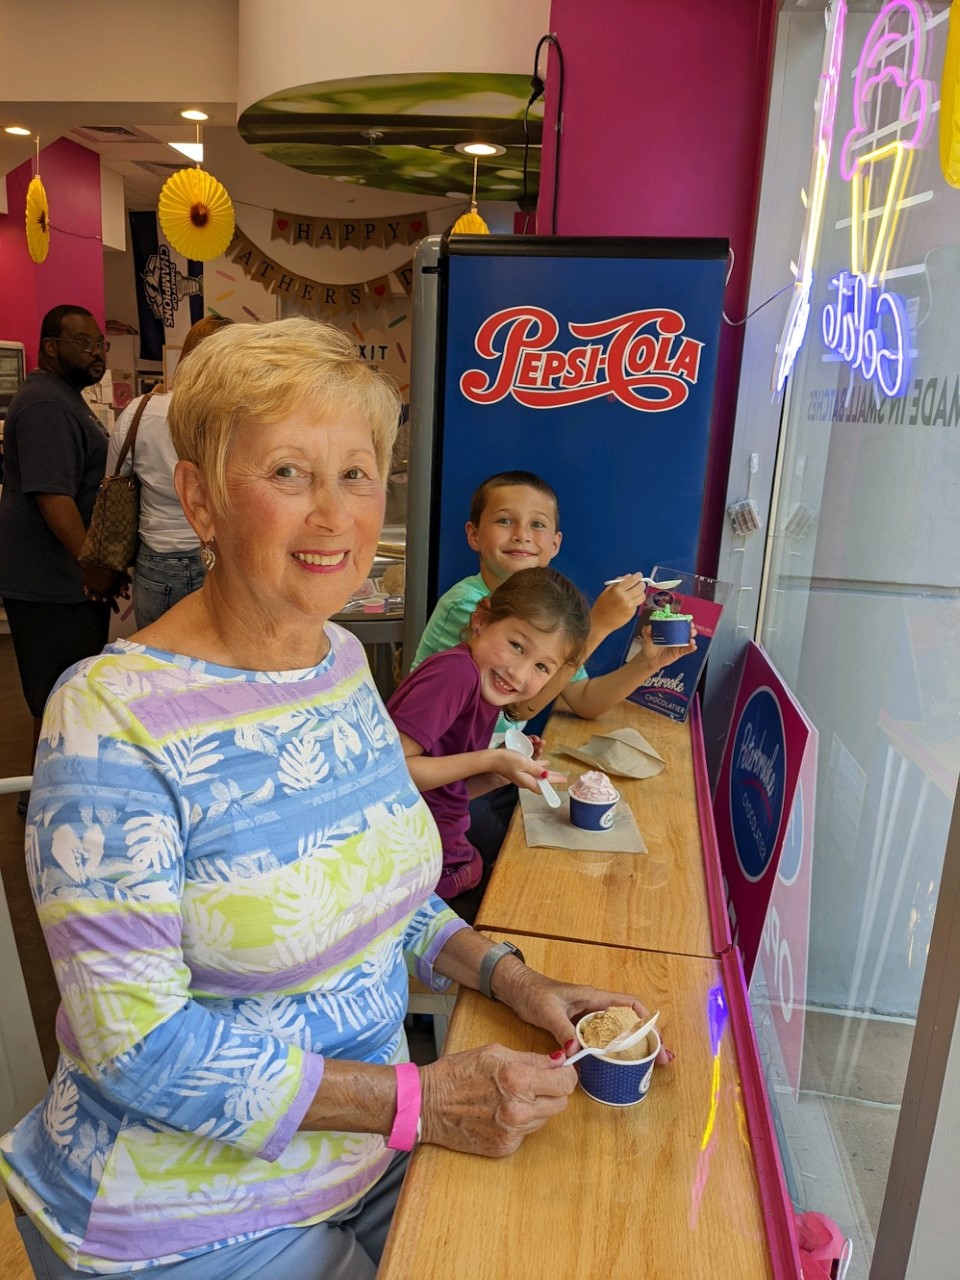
[(592, 363)]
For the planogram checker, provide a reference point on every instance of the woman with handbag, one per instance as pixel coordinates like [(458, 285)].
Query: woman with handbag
[(169, 564)]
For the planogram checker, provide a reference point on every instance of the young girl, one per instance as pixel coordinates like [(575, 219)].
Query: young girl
[(533, 624)]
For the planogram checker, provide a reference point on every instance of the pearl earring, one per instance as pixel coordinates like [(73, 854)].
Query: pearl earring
[(208, 557)]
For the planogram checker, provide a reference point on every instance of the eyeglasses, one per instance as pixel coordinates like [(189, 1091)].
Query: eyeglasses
[(86, 346)]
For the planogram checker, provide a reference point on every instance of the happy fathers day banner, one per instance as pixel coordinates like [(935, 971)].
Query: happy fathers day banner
[(342, 233), (316, 295)]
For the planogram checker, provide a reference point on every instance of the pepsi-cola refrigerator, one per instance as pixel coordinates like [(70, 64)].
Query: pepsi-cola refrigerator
[(589, 361)]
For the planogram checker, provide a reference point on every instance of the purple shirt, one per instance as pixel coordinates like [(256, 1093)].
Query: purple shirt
[(440, 707)]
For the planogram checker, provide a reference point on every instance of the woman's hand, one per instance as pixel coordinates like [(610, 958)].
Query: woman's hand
[(485, 1101), (515, 767), (556, 1006), (104, 585)]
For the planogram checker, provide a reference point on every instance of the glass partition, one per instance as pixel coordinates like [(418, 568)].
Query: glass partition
[(861, 599)]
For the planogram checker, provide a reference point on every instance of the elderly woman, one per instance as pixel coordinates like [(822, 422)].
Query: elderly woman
[(232, 865)]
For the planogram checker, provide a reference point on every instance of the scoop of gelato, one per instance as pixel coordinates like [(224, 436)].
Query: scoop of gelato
[(594, 786), (667, 615), (603, 1027)]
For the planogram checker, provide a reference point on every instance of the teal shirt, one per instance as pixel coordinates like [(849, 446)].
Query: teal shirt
[(447, 624)]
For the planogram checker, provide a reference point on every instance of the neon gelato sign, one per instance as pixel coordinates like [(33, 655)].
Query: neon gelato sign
[(865, 324), (867, 327)]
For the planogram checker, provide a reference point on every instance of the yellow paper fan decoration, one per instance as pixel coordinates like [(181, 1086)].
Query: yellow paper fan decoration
[(470, 224), (196, 214), (38, 221)]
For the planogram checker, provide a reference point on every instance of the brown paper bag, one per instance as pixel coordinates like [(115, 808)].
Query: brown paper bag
[(623, 751)]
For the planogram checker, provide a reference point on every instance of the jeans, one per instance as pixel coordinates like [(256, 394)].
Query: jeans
[(161, 579), (345, 1247)]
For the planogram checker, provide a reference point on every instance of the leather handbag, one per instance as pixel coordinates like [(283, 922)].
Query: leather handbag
[(113, 532)]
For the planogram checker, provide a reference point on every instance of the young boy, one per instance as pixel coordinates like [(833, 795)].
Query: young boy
[(515, 524)]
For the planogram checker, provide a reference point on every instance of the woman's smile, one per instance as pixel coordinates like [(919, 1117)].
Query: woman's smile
[(321, 561)]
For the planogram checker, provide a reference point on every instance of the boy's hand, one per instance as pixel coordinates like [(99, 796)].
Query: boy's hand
[(618, 603)]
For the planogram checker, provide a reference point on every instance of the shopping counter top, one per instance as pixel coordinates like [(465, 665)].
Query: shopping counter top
[(668, 899), (669, 1187)]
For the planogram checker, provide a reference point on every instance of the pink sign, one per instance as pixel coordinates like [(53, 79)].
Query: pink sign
[(755, 795)]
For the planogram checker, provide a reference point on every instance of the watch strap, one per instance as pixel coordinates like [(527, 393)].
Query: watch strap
[(490, 961)]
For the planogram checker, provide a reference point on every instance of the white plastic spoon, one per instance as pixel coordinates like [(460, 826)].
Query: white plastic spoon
[(658, 586), (625, 1040), (517, 740)]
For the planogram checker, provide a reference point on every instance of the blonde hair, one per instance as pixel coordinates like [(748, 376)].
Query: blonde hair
[(265, 372)]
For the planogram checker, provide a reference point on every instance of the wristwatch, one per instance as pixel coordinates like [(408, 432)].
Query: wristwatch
[(490, 962)]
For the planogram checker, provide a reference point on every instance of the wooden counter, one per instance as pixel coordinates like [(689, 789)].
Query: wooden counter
[(667, 1188), (658, 901)]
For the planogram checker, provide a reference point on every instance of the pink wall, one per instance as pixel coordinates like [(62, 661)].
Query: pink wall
[(664, 115), (73, 270)]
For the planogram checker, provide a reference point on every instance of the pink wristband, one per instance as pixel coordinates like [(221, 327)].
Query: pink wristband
[(406, 1125)]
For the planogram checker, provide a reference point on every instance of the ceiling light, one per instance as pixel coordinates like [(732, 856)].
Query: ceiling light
[(18, 130), (479, 149), (192, 150), (193, 114)]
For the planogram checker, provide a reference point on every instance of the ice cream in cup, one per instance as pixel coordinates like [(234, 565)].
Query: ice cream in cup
[(669, 628), (622, 1079), (593, 802)]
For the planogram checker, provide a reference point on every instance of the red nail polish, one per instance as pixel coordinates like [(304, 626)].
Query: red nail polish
[(555, 1057), (570, 1047), (543, 773)]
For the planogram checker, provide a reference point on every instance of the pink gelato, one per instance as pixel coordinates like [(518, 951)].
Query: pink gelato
[(595, 787)]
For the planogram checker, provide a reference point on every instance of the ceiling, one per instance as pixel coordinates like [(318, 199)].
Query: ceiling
[(138, 151)]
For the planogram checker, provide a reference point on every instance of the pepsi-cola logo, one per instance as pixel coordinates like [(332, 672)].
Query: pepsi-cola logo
[(645, 359), (757, 782)]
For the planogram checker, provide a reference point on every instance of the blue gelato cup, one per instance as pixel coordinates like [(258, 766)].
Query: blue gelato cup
[(670, 631), (593, 815), (613, 1081)]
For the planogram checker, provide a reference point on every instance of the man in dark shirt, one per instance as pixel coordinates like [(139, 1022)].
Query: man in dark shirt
[(55, 452)]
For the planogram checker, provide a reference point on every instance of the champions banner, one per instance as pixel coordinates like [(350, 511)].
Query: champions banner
[(169, 288)]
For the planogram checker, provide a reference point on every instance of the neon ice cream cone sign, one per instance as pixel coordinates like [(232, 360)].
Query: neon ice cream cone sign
[(877, 71), (866, 324)]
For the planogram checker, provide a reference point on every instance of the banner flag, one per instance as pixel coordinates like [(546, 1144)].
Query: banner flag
[(414, 228), (169, 287), (379, 290)]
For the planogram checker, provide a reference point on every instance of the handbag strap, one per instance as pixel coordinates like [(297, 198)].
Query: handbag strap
[(130, 438)]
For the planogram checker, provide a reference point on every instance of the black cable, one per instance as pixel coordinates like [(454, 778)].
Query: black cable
[(537, 86)]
